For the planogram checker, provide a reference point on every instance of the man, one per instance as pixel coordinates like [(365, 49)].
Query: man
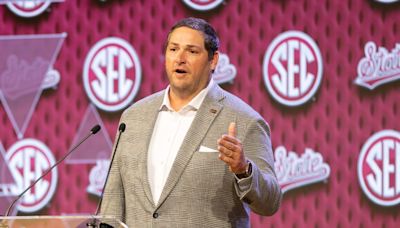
[(192, 155)]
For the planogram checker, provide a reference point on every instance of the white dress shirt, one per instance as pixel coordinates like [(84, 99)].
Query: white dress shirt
[(169, 131)]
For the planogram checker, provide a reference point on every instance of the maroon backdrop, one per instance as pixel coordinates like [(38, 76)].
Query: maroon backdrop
[(336, 123)]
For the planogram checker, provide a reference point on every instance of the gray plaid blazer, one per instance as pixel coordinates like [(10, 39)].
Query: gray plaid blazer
[(200, 190)]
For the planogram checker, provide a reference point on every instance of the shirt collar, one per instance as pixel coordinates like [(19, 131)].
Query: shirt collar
[(194, 104)]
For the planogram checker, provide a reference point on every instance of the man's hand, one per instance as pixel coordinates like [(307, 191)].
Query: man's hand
[(231, 151)]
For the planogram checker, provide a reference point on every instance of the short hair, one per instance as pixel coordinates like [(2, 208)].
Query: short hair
[(211, 41)]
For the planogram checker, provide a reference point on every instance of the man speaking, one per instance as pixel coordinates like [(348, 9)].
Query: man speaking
[(192, 155)]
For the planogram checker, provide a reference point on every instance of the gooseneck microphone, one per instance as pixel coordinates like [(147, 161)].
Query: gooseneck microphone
[(93, 131), (121, 129)]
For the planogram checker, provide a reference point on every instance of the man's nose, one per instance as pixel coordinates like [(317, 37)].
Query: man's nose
[(181, 57)]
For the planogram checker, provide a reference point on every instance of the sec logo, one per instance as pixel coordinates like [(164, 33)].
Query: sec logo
[(112, 74), (387, 1), (292, 68), (28, 8), (379, 168), (203, 5), (28, 159)]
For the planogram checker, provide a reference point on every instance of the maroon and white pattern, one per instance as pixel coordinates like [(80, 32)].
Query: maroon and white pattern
[(294, 171), (28, 8), (28, 159), (292, 68), (203, 5), (378, 66), (387, 1), (112, 74), (336, 121), (97, 177), (26, 72), (379, 168), (225, 71)]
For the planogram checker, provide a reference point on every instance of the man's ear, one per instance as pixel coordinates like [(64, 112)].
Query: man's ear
[(214, 61)]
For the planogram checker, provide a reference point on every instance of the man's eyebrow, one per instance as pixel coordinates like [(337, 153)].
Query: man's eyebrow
[(192, 46), (188, 45)]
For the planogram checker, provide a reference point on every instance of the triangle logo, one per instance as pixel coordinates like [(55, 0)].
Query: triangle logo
[(6, 181), (96, 147), (24, 62)]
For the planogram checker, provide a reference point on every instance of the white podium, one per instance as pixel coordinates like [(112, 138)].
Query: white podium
[(58, 221)]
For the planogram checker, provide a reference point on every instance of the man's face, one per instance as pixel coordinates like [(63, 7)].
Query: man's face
[(186, 62)]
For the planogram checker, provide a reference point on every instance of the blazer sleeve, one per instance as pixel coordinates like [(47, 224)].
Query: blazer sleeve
[(264, 194)]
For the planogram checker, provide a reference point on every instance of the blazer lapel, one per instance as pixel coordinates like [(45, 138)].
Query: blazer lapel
[(206, 114), (149, 120)]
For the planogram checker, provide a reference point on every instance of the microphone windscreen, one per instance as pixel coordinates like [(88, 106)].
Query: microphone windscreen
[(95, 129), (122, 127)]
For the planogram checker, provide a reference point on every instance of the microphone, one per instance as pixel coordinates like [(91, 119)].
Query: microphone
[(93, 131), (121, 129)]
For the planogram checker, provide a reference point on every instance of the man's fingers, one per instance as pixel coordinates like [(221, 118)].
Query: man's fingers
[(227, 144), (225, 158), (232, 163), (232, 129), (230, 148), (230, 139)]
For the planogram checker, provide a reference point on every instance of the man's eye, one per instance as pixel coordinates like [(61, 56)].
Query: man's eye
[(194, 51)]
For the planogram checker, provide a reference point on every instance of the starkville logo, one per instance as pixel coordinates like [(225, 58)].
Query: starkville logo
[(28, 159), (15, 87), (378, 66), (26, 73), (292, 68), (293, 171), (112, 74), (28, 8), (379, 168), (97, 177), (203, 5), (224, 71)]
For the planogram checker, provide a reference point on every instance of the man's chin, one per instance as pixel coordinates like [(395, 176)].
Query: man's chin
[(180, 87), (180, 82), (180, 78)]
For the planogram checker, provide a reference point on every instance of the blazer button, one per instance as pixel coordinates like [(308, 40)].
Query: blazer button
[(155, 215)]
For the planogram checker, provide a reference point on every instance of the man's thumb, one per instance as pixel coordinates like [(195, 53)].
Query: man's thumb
[(232, 129)]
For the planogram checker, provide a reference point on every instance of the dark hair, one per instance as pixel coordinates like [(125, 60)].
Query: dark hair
[(211, 41)]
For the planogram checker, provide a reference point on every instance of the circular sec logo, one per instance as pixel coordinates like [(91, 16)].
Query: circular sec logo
[(112, 74), (292, 68), (202, 5), (387, 1), (28, 8), (28, 159), (379, 168)]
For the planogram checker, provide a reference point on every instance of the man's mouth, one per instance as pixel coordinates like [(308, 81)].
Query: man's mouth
[(180, 71)]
